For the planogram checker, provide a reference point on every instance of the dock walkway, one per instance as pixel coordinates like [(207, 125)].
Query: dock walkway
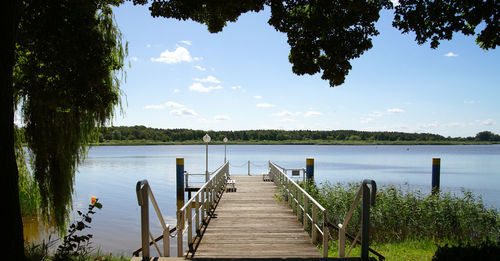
[(251, 223)]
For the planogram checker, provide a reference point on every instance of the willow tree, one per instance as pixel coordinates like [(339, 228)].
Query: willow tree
[(65, 84)]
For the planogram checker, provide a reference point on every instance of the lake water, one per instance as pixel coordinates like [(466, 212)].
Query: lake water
[(111, 173)]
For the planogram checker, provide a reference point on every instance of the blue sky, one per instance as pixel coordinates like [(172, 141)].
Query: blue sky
[(181, 76)]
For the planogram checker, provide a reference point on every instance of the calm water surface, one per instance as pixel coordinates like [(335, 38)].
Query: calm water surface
[(111, 172)]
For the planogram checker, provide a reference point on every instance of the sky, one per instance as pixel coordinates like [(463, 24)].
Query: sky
[(182, 76)]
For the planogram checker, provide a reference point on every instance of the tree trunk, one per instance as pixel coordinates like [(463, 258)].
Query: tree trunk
[(8, 167)]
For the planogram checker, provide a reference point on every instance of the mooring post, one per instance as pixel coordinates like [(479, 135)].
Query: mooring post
[(310, 169), (180, 182), (436, 172), (179, 163)]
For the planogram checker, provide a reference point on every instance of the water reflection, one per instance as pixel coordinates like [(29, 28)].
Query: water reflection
[(35, 230)]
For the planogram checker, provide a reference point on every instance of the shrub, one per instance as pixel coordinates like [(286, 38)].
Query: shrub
[(410, 214)]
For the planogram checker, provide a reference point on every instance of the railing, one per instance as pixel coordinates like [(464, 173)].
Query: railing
[(363, 192), (144, 193), (312, 215), (203, 203), (186, 178)]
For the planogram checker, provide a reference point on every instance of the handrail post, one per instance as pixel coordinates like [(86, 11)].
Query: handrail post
[(306, 210), (365, 222), (145, 220), (180, 228), (325, 235), (314, 232), (248, 168), (189, 216), (197, 202), (341, 240), (166, 241)]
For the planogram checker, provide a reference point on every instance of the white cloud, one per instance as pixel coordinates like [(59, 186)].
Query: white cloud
[(313, 113), (237, 87), (487, 122), (183, 112), (469, 102), (208, 79), (451, 54), (186, 42), (171, 104), (286, 113), (287, 120), (221, 118), (180, 54), (429, 125), (168, 104), (395, 110), (200, 68), (176, 91), (198, 87), (376, 114), (367, 120), (148, 45), (265, 105), (134, 59), (155, 107), (257, 97)]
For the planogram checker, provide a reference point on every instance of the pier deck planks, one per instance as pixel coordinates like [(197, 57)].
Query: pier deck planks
[(251, 223)]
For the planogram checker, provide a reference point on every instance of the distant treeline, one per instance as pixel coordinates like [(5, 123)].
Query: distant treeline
[(125, 133)]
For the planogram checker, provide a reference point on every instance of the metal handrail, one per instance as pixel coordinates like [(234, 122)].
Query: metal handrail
[(144, 193), (203, 202), (368, 199), (300, 201)]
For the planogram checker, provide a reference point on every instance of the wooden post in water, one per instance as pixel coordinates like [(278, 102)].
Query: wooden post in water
[(179, 162), (310, 169), (436, 172), (180, 182)]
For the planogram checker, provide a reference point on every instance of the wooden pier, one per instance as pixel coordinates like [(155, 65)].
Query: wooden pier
[(238, 217), (251, 223)]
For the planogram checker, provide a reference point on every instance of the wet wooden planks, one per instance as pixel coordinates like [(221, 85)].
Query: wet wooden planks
[(250, 223)]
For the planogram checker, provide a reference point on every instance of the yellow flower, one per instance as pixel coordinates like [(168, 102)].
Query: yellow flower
[(93, 199)]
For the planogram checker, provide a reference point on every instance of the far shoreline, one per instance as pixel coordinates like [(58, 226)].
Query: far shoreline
[(309, 142)]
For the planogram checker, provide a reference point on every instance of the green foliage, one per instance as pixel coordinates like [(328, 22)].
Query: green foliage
[(468, 251), (324, 36), (487, 136), (142, 133), (29, 194), (438, 20), (400, 215), (77, 247), (68, 54)]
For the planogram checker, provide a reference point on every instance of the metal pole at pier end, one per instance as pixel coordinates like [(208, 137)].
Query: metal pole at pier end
[(179, 178), (310, 169), (225, 141), (436, 172), (206, 139)]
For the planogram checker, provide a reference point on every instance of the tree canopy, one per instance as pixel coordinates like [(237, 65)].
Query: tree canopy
[(67, 56), (326, 35)]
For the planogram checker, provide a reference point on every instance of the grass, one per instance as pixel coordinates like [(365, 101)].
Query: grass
[(410, 250)]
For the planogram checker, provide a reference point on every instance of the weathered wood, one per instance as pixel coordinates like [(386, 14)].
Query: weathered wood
[(253, 223)]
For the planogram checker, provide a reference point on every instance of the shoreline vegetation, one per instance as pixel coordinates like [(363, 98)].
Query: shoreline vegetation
[(141, 135)]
